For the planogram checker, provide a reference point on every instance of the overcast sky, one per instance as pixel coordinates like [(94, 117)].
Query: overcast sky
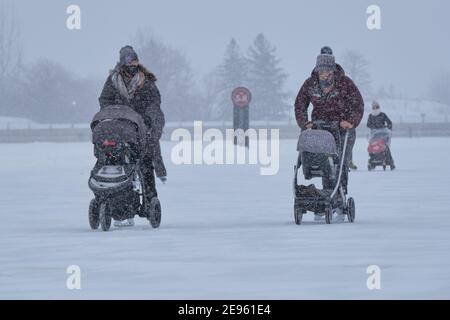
[(412, 45)]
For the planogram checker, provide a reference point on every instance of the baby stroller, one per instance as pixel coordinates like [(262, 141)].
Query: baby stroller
[(320, 157), (379, 149), (119, 135)]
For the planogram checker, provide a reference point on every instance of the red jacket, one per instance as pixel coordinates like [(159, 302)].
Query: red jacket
[(344, 102)]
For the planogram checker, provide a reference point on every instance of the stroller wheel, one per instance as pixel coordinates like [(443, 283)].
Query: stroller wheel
[(94, 215), (351, 210), (153, 209), (328, 215), (298, 216), (105, 216)]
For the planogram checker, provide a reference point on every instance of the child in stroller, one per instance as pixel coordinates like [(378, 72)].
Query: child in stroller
[(321, 155), (379, 139), (379, 149), (120, 143)]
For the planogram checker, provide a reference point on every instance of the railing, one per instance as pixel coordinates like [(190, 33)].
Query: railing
[(82, 133)]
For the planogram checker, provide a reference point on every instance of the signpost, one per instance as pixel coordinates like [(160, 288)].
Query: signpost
[(241, 98)]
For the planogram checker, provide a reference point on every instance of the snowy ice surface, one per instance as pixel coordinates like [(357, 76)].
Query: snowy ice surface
[(227, 232)]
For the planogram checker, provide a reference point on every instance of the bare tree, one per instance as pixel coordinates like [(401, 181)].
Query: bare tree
[(57, 95), (180, 99), (50, 91), (11, 102), (357, 68), (440, 87), (389, 93), (212, 90), (10, 44)]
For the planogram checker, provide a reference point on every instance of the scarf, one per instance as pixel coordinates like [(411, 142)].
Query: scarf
[(125, 91), (376, 112)]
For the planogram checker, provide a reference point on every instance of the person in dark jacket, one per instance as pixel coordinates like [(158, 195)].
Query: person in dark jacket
[(334, 97), (131, 84), (379, 120)]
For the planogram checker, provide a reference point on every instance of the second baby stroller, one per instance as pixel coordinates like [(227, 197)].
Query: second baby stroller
[(321, 155)]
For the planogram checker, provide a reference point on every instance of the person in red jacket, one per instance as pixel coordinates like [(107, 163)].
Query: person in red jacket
[(334, 97)]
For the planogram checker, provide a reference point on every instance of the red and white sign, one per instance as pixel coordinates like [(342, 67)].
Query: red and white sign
[(241, 97)]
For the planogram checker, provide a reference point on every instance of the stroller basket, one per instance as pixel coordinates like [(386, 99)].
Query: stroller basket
[(311, 192), (111, 180)]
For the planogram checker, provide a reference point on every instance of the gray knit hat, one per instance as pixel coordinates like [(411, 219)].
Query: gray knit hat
[(326, 50), (127, 55), (375, 104), (326, 60)]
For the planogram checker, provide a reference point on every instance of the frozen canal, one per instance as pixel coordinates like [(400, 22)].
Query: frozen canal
[(227, 231)]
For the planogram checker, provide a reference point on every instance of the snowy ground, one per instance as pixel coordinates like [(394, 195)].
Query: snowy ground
[(227, 232)]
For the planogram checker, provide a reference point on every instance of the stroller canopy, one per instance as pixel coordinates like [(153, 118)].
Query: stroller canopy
[(380, 134), (122, 119), (317, 141)]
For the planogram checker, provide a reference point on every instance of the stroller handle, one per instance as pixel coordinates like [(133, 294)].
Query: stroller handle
[(326, 125), (341, 166)]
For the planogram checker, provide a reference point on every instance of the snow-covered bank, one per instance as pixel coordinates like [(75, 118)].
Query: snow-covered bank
[(412, 111)]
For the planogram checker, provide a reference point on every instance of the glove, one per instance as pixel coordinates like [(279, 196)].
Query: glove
[(305, 127), (163, 179)]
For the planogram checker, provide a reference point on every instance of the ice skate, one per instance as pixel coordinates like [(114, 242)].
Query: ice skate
[(318, 218), (352, 166), (124, 223), (338, 216)]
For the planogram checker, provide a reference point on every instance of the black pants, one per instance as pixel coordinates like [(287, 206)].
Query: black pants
[(149, 176), (350, 144), (348, 155), (389, 158), (148, 170), (158, 162)]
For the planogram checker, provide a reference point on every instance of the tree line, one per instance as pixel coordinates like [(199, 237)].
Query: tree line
[(47, 92)]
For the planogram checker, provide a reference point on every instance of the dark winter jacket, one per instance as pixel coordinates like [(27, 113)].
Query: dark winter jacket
[(380, 121), (146, 100), (344, 102)]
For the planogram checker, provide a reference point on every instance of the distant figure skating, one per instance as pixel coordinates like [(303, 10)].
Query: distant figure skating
[(380, 139)]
